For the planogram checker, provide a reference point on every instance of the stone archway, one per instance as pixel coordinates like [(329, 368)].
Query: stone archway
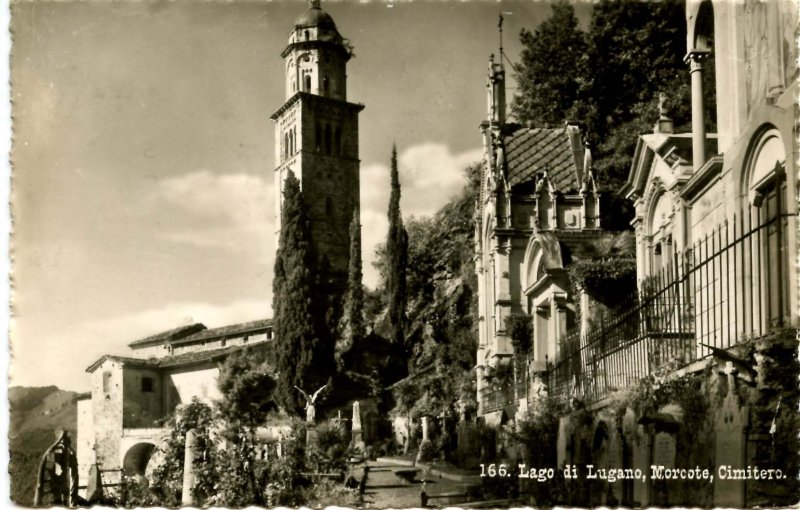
[(137, 458)]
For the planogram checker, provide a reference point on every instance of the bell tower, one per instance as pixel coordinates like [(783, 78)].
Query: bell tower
[(316, 134)]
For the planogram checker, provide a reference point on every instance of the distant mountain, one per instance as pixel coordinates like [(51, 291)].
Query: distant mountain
[(35, 416)]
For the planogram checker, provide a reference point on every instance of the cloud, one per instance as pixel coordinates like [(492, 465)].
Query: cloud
[(207, 210), (430, 175), (67, 356)]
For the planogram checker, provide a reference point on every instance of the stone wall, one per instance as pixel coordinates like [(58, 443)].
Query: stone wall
[(182, 384), (142, 401), (107, 393)]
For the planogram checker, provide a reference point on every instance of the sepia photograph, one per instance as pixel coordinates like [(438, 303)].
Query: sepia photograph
[(398, 254)]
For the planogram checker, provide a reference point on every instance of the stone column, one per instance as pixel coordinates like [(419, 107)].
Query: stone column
[(695, 60), (187, 498), (425, 428)]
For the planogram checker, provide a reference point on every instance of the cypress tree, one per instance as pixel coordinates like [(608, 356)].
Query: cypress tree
[(397, 252), (352, 326), (300, 351)]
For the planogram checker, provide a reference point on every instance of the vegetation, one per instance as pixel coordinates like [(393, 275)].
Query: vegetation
[(246, 387), (608, 79), (352, 327), (551, 68), (397, 254), (304, 356), (519, 328)]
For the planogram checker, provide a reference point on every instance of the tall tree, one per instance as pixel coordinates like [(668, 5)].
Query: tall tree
[(352, 327), (397, 251), (635, 52), (551, 68), (302, 358)]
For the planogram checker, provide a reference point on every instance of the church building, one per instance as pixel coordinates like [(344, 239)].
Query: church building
[(316, 135), (121, 420)]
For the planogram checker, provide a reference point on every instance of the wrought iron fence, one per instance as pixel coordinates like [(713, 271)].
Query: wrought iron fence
[(729, 284), (497, 399)]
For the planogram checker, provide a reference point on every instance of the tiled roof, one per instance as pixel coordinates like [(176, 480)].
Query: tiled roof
[(226, 331), (557, 150), (171, 334), (127, 360), (188, 358)]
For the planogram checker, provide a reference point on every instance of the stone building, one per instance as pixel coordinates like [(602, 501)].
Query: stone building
[(120, 421), (538, 208), (316, 135), (699, 368)]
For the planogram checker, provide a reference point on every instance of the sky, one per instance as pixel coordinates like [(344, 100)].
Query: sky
[(142, 156)]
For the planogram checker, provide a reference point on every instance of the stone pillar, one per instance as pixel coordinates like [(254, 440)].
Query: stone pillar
[(187, 498), (426, 428), (695, 60)]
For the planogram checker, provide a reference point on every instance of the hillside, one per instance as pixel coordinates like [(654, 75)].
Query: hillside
[(441, 323), (35, 415)]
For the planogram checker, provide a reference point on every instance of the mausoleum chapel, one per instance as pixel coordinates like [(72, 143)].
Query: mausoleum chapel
[(711, 303)]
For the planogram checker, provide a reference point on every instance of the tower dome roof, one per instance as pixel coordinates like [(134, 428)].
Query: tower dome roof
[(315, 17)]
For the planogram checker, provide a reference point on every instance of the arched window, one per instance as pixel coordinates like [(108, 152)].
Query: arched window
[(291, 142), (337, 140), (318, 136), (307, 82), (328, 206), (285, 146), (658, 231), (325, 85), (305, 34), (769, 254)]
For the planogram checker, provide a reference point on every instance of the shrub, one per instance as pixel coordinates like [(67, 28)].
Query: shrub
[(427, 451)]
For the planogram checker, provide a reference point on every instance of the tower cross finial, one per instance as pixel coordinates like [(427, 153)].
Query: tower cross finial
[(313, 4)]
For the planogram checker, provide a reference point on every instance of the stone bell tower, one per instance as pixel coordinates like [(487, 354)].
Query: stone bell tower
[(316, 134)]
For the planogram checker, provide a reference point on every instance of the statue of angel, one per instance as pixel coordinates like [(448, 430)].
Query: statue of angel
[(310, 401)]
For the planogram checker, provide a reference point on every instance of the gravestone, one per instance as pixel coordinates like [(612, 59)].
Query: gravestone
[(615, 461), (730, 425), (561, 442), (641, 460), (664, 450), (357, 441)]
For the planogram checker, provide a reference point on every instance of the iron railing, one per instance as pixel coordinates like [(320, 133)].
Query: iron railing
[(730, 284), (496, 399)]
